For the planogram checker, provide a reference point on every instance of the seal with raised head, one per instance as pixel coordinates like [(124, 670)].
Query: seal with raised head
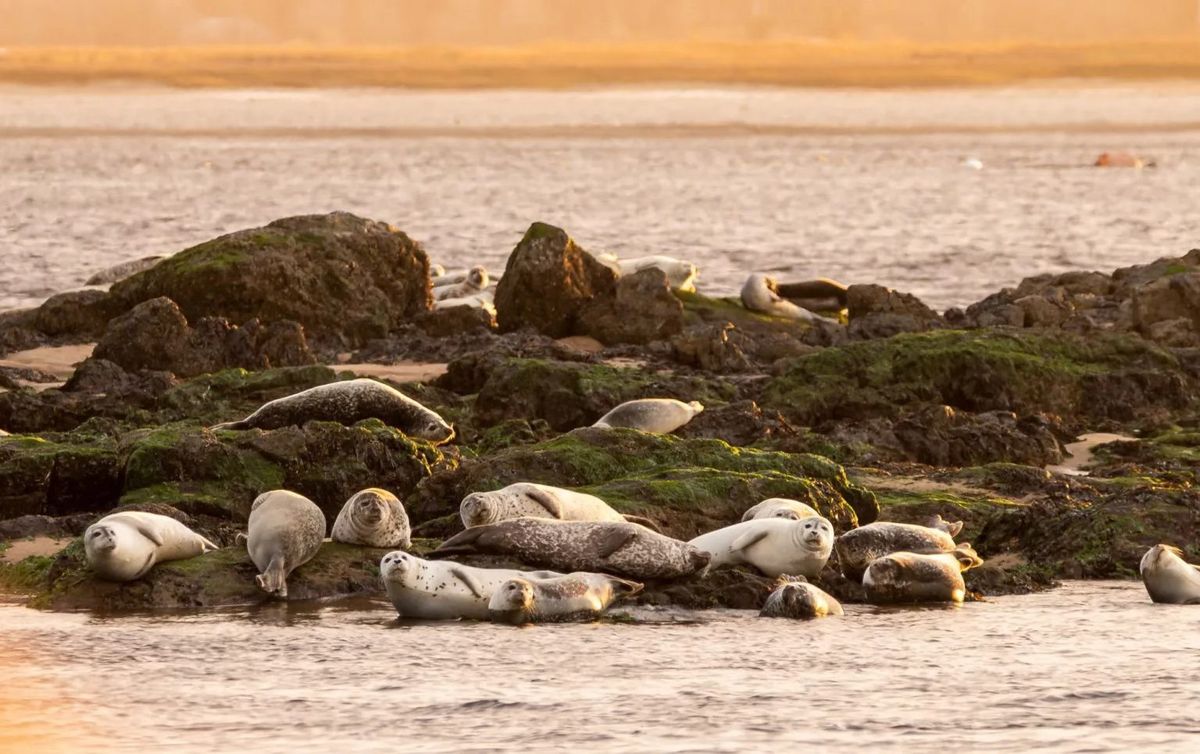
[(1168, 577), (919, 577), (574, 597), (442, 590), (373, 518), (125, 546), (475, 281), (780, 507), (760, 294), (526, 499), (285, 531), (622, 549), (349, 402), (661, 415), (775, 546), (796, 598), (858, 547)]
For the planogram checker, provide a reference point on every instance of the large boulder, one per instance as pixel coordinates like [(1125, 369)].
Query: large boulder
[(642, 309), (1168, 309), (878, 312), (78, 313)]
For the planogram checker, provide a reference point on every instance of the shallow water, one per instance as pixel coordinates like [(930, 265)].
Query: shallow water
[(1093, 666), (860, 186)]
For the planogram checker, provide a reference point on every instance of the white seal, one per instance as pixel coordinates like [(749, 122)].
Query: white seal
[(574, 597), (373, 518), (796, 598), (775, 546), (661, 415), (780, 507), (1168, 577), (475, 281), (483, 300), (858, 547), (285, 531), (442, 590), (760, 294), (125, 546), (914, 577), (526, 499), (681, 275)]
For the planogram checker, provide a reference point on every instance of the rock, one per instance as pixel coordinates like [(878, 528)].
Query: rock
[(1127, 278), (710, 348), (46, 477), (739, 423), (152, 335), (78, 313), (1173, 299), (642, 309), (455, 320), (25, 527), (878, 312), (941, 436), (345, 279)]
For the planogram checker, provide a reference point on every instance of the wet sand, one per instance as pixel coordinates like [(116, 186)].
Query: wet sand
[(24, 548), (1080, 452)]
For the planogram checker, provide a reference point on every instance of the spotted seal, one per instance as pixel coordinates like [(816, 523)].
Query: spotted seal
[(661, 415), (918, 577), (285, 531), (474, 282), (125, 546), (348, 402), (858, 547), (796, 598), (622, 549), (780, 507), (373, 518), (526, 499), (442, 590), (775, 546), (574, 597), (1168, 577)]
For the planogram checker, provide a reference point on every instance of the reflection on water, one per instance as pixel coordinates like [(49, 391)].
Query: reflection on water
[(1089, 667)]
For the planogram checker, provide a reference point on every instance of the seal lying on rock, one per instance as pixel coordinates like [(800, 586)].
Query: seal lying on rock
[(759, 294), (125, 546), (796, 598), (436, 590), (476, 280), (373, 518), (914, 577), (1168, 577), (119, 272), (285, 531), (775, 546), (858, 547), (780, 507), (574, 597), (482, 300), (821, 294), (621, 549), (526, 499), (681, 275), (349, 402), (661, 415)]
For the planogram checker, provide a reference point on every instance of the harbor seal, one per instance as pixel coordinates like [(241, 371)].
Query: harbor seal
[(775, 546), (796, 598), (119, 272), (916, 577), (125, 546), (661, 415), (759, 294), (621, 549), (681, 275), (1168, 577), (373, 518), (285, 531), (441, 590), (483, 300), (574, 597), (526, 499), (474, 282), (780, 507), (348, 402), (858, 547), (821, 294)]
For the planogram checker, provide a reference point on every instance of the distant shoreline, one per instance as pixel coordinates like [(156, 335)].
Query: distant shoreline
[(777, 63)]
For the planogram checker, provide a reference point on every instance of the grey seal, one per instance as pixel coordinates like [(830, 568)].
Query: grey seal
[(661, 415), (858, 547), (285, 531), (125, 546), (373, 518), (798, 599), (775, 546), (1168, 577), (529, 500), (574, 597), (919, 577), (442, 590)]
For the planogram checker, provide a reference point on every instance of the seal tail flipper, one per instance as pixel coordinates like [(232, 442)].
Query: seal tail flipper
[(623, 588), (239, 424), (208, 546), (643, 521), (240, 538)]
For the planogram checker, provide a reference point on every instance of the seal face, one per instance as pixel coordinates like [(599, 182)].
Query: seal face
[(661, 415), (529, 500), (373, 518), (125, 546), (858, 547), (622, 549), (574, 597), (775, 546), (780, 507), (349, 402), (442, 590), (1168, 577), (916, 577), (285, 531), (800, 600)]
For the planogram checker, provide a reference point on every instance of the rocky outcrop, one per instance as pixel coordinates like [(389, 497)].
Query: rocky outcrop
[(77, 313), (878, 312), (941, 436), (642, 309)]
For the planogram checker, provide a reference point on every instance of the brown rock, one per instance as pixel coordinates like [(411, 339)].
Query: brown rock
[(1168, 299), (82, 313), (710, 348), (878, 312), (642, 309)]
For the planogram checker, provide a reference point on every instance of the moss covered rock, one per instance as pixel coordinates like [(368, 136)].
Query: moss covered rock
[(56, 477)]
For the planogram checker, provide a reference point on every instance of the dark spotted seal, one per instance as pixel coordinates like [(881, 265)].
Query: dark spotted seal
[(285, 531), (574, 597), (917, 577), (858, 547), (373, 518)]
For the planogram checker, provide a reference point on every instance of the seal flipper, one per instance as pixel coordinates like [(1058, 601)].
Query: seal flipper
[(746, 540), (148, 532), (614, 540), (642, 521), (239, 424), (469, 582), (546, 501), (207, 546)]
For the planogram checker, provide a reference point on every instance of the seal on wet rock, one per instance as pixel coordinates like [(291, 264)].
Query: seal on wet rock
[(125, 546), (760, 294), (775, 546), (798, 599), (1168, 577), (475, 281), (780, 507), (858, 547), (622, 549), (574, 597), (442, 590), (285, 531), (349, 402), (821, 294), (916, 577), (681, 275), (373, 518), (661, 415), (526, 499)]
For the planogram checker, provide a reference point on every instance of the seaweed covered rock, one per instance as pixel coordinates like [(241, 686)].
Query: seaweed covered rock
[(55, 477)]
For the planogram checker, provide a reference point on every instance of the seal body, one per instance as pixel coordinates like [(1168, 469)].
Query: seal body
[(119, 272), (858, 547), (574, 597), (125, 546), (759, 295), (1168, 577), (475, 281), (775, 546), (661, 415), (285, 532), (796, 598), (483, 300), (780, 507), (441, 590), (622, 549), (916, 577), (681, 275), (373, 518), (529, 500), (349, 402), (821, 294)]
